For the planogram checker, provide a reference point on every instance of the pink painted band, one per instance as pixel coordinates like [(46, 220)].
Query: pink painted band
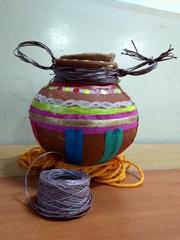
[(80, 116), (86, 130)]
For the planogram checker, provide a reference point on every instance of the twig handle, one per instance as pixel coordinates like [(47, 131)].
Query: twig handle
[(151, 62), (25, 58)]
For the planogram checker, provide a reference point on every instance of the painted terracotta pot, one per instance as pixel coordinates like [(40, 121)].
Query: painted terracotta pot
[(83, 114)]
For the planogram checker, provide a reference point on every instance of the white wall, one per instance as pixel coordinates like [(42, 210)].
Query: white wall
[(167, 5), (71, 26)]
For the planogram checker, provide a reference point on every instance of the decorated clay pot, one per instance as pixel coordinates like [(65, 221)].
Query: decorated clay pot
[(83, 113)]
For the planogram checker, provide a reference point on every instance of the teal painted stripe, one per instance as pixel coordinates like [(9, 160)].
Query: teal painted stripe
[(74, 146), (113, 142)]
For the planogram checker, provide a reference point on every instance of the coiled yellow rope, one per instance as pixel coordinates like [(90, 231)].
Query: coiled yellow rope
[(110, 173)]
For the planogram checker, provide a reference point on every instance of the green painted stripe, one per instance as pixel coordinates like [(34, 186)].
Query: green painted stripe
[(54, 108), (113, 142)]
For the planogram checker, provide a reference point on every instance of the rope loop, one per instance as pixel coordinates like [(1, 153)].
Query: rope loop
[(25, 58), (112, 173)]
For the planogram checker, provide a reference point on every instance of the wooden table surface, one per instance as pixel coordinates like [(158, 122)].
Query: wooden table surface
[(149, 212)]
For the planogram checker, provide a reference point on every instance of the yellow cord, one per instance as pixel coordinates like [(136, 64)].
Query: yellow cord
[(110, 173)]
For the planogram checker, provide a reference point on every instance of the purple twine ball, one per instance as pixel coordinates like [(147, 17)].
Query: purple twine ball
[(63, 194)]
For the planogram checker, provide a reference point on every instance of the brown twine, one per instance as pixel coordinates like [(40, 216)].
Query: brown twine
[(95, 76)]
